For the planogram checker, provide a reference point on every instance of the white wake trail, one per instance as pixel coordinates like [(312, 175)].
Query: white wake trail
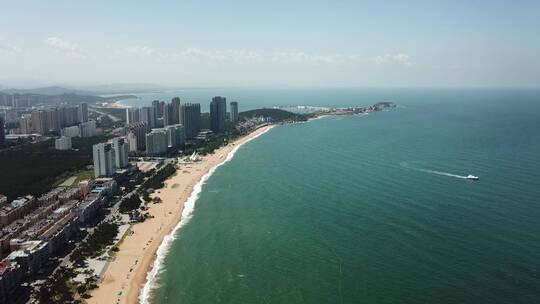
[(406, 165), (440, 173)]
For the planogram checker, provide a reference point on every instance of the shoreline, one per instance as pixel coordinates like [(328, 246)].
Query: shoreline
[(130, 276)]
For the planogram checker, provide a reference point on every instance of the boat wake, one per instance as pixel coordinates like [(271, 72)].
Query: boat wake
[(404, 164)]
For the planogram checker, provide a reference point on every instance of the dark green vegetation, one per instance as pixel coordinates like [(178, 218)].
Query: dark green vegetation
[(130, 203), (156, 179), (58, 288), (34, 168), (61, 288), (276, 115), (213, 142), (93, 246)]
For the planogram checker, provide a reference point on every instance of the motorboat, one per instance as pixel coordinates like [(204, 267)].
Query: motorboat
[(472, 177)]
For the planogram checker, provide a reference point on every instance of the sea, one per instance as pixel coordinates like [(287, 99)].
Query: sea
[(367, 208)]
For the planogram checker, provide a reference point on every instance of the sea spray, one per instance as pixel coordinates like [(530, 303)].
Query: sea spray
[(187, 213)]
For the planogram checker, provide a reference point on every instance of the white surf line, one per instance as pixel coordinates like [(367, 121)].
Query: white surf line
[(187, 213)]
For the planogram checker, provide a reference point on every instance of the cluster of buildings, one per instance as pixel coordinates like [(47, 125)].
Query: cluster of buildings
[(32, 230), (67, 121), (253, 122), (84, 129), (49, 120), (163, 127), (17, 100), (110, 156)]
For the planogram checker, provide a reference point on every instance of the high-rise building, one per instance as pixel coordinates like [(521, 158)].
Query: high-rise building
[(136, 134), (2, 130), (63, 143), (131, 139), (104, 162), (75, 115), (157, 108), (69, 116), (234, 111), (83, 112), (53, 120), (25, 124), (62, 117), (175, 104), (148, 116), (168, 115), (156, 142), (132, 115), (190, 118), (88, 129), (39, 122), (161, 107), (218, 111), (121, 149), (176, 136), (11, 116)]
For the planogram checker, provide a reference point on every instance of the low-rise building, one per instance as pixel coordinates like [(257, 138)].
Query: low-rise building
[(84, 188), (89, 208), (17, 209), (31, 256)]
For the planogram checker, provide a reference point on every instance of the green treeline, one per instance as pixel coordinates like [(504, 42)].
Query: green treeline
[(34, 168)]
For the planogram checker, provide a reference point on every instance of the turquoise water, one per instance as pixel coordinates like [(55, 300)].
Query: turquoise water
[(364, 209)]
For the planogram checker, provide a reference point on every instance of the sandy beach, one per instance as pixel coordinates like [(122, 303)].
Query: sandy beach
[(127, 272)]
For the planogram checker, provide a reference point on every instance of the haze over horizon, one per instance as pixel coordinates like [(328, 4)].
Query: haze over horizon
[(239, 43)]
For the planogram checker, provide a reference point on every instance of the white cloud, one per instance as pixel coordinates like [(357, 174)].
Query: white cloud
[(8, 47), (306, 58), (68, 48), (399, 58), (142, 51)]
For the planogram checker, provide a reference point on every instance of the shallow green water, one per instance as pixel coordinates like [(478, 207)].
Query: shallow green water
[(346, 210)]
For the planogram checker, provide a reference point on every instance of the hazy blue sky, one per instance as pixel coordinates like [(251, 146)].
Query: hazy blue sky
[(297, 43)]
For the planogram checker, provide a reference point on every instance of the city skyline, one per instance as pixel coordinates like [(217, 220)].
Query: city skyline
[(270, 44)]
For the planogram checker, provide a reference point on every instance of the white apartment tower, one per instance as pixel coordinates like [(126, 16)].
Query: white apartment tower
[(121, 150), (104, 160)]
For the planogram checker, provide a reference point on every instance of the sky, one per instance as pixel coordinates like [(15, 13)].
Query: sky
[(271, 43)]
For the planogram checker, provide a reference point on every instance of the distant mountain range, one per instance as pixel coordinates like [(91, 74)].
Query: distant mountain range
[(89, 90), (51, 91)]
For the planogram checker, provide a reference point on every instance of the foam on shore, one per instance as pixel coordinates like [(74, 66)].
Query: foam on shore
[(187, 213)]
